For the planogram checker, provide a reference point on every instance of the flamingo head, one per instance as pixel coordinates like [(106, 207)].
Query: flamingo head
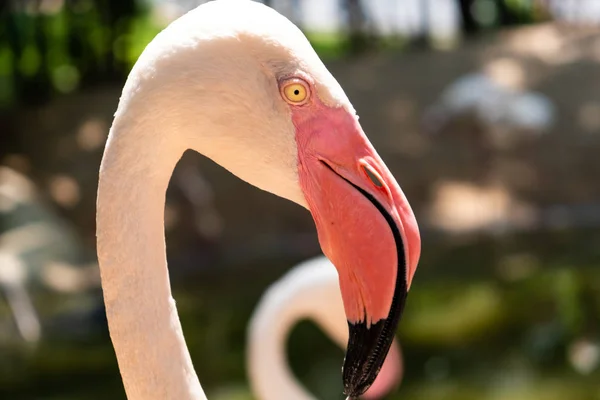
[(239, 83)]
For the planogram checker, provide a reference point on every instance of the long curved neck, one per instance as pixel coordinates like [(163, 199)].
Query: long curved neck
[(270, 375), (142, 317), (308, 291)]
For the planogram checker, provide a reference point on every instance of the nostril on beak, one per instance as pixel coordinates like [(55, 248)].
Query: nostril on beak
[(372, 175)]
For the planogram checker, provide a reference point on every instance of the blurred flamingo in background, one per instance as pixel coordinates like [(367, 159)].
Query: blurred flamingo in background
[(12, 286), (40, 253), (311, 291), (495, 104)]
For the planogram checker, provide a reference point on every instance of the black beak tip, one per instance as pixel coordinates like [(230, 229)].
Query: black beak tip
[(356, 385), (367, 349), (355, 382)]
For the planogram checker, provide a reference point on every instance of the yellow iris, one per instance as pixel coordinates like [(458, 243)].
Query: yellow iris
[(295, 92)]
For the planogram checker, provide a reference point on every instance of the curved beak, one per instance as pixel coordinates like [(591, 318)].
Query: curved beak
[(366, 228)]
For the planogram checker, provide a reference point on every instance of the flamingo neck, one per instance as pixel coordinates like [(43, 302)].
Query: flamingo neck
[(309, 291), (142, 317), (270, 374)]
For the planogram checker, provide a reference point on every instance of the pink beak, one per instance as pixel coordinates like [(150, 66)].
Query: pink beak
[(366, 228)]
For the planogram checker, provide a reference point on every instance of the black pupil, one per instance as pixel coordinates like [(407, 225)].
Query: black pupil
[(296, 92)]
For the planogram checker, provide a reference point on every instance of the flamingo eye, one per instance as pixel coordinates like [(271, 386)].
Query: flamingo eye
[(295, 91)]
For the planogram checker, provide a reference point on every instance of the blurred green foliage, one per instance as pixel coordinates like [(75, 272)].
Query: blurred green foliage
[(54, 47)]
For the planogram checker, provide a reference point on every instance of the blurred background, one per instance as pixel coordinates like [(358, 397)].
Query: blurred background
[(486, 111)]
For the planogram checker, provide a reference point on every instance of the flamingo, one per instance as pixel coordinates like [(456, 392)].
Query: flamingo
[(239, 83), (493, 103), (309, 290), (12, 284)]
